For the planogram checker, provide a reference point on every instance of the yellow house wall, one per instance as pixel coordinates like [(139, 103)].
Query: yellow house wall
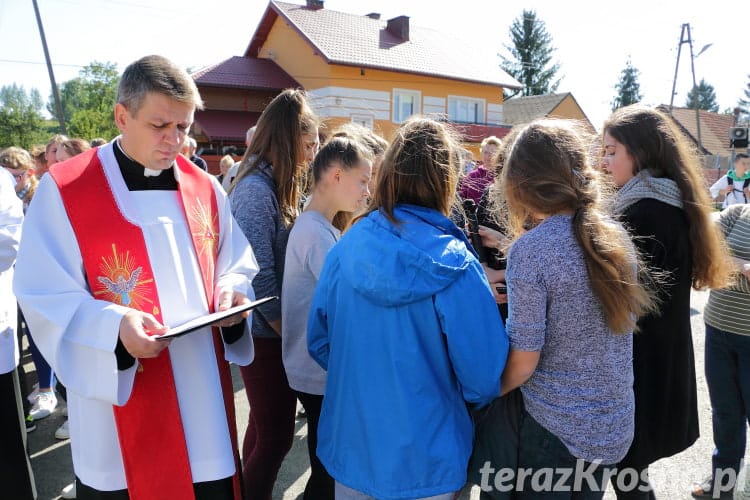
[(568, 108), (295, 55)]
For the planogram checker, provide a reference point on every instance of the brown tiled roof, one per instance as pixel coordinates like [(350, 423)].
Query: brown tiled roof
[(518, 110), (714, 128), (218, 125), (245, 73), (361, 41)]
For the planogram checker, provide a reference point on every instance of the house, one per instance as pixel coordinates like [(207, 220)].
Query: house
[(521, 110), (714, 142), (355, 68), (234, 93)]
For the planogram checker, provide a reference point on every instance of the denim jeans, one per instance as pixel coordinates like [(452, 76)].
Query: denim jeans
[(540, 449), (727, 360), (346, 493)]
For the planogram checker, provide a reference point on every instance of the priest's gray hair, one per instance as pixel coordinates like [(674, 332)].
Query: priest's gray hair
[(156, 74)]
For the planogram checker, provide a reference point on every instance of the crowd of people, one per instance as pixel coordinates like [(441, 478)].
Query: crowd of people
[(432, 344)]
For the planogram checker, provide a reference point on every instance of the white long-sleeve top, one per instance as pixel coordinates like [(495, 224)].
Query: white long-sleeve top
[(77, 333)]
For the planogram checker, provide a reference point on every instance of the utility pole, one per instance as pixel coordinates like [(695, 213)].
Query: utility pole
[(55, 94), (689, 40)]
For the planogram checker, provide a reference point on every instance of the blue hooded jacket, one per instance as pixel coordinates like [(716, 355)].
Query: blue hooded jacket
[(404, 321)]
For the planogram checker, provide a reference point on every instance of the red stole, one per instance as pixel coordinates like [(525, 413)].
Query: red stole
[(118, 270)]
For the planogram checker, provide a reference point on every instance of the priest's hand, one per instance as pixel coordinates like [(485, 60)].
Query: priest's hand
[(227, 299), (137, 342)]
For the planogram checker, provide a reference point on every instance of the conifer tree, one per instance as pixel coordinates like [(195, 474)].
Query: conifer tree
[(703, 96), (628, 88), (532, 55), (744, 104)]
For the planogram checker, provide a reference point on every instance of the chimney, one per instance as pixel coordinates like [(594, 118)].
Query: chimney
[(315, 4), (374, 15), (399, 26)]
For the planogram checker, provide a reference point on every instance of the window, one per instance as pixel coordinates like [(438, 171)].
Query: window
[(466, 110), (364, 120), (405, 104)]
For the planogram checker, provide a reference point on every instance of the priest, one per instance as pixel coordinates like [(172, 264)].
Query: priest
[(123, 241)]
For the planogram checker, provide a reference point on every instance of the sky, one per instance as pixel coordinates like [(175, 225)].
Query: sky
[(593, 40)]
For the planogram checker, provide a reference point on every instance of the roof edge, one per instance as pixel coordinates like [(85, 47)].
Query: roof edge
[(256, 42), (412, 72), (579, 107)]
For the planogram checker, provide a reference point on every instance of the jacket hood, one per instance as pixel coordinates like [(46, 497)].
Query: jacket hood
[(396, 264)]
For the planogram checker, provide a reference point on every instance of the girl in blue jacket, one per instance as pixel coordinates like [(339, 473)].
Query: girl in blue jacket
[(404, 322)]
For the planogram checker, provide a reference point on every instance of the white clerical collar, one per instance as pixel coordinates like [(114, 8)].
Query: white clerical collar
[(147, 172)]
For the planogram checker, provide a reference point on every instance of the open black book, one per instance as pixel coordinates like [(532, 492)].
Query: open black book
[(209, 319)]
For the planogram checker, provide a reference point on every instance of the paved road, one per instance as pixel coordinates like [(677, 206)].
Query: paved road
[(671, 477)]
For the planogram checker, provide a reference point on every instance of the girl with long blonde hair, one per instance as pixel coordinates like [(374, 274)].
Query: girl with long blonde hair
[(574, 297)]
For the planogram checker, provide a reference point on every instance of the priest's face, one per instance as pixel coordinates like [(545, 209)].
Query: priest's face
[(154, 134)]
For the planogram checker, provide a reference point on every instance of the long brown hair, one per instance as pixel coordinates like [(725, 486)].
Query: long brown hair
[(548, 171), (277, 141), (655, 144), (420, 167)]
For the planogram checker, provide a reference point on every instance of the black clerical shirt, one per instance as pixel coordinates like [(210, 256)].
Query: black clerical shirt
[(134, 174)]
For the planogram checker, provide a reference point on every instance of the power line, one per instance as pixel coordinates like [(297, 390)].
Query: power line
[(40, 63), (124, 4)]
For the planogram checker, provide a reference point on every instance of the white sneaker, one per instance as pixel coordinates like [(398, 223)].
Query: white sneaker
[(45, 403), (63, 432), (69, 491), (33, 394)]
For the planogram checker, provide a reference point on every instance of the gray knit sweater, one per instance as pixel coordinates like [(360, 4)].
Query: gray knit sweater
[(582, 389), (256, 209)]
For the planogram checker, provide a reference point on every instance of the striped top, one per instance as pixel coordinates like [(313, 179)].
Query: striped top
[(728, 308)]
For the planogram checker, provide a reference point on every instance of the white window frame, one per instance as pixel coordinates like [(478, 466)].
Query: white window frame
[(480, 106), (416, 108), (364, 120)]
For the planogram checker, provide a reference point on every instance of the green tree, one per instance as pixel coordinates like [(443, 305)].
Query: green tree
[(744, 104), (703, 96), (532, 51), (88, 101), (21, 121), (628, 88)]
